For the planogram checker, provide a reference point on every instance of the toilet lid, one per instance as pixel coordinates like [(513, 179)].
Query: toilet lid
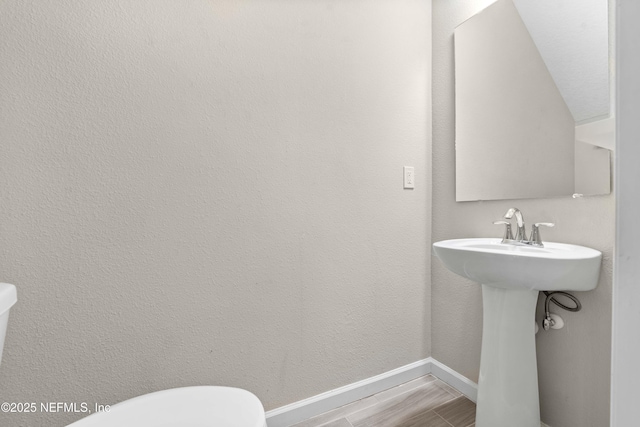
[(8, 297), (203, 406)]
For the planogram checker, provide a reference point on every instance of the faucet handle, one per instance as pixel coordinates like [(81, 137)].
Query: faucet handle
[(508, 235), (535, 239)]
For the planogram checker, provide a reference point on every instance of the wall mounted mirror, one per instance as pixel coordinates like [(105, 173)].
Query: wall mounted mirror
[(533, 100)]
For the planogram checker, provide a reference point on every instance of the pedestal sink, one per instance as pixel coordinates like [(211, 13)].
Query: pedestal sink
[(511, 277)]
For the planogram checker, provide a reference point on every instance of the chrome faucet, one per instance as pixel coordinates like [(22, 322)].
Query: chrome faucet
[(521, 233)]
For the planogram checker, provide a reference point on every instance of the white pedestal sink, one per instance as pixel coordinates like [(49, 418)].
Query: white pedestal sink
[(511, 277)]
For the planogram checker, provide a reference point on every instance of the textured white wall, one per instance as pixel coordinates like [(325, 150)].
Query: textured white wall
[(210, 192), (573, 362)]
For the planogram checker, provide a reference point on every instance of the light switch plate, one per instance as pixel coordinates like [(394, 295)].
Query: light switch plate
[(409, 177)]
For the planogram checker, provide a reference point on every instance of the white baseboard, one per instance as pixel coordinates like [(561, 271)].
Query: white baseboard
[(295, 412), (316, 405), (461, 383)]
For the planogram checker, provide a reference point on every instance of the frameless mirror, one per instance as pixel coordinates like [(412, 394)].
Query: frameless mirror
[(532, 100)]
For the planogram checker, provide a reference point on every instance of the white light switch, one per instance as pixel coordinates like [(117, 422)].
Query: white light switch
[(409, 177)]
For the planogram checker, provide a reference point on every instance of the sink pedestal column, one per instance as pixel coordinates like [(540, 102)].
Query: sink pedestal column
[(508, 384)]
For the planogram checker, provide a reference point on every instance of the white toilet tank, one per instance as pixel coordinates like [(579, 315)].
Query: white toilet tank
[(8, 297)]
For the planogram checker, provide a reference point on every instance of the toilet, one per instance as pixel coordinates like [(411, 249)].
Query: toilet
[(8, 297), (199, 406)]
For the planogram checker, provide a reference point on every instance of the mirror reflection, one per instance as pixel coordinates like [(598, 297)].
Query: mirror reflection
[(532, 100)]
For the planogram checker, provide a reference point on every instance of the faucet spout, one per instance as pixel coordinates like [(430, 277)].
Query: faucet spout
[(521, 234)]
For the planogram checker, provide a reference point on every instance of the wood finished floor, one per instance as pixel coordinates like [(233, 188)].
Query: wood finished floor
[(423, 402)]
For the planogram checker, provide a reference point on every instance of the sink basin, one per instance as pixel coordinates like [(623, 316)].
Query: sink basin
[(511, 278), (555, 267)]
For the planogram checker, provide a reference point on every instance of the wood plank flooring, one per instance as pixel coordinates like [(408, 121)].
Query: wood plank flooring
[(423, 402)]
